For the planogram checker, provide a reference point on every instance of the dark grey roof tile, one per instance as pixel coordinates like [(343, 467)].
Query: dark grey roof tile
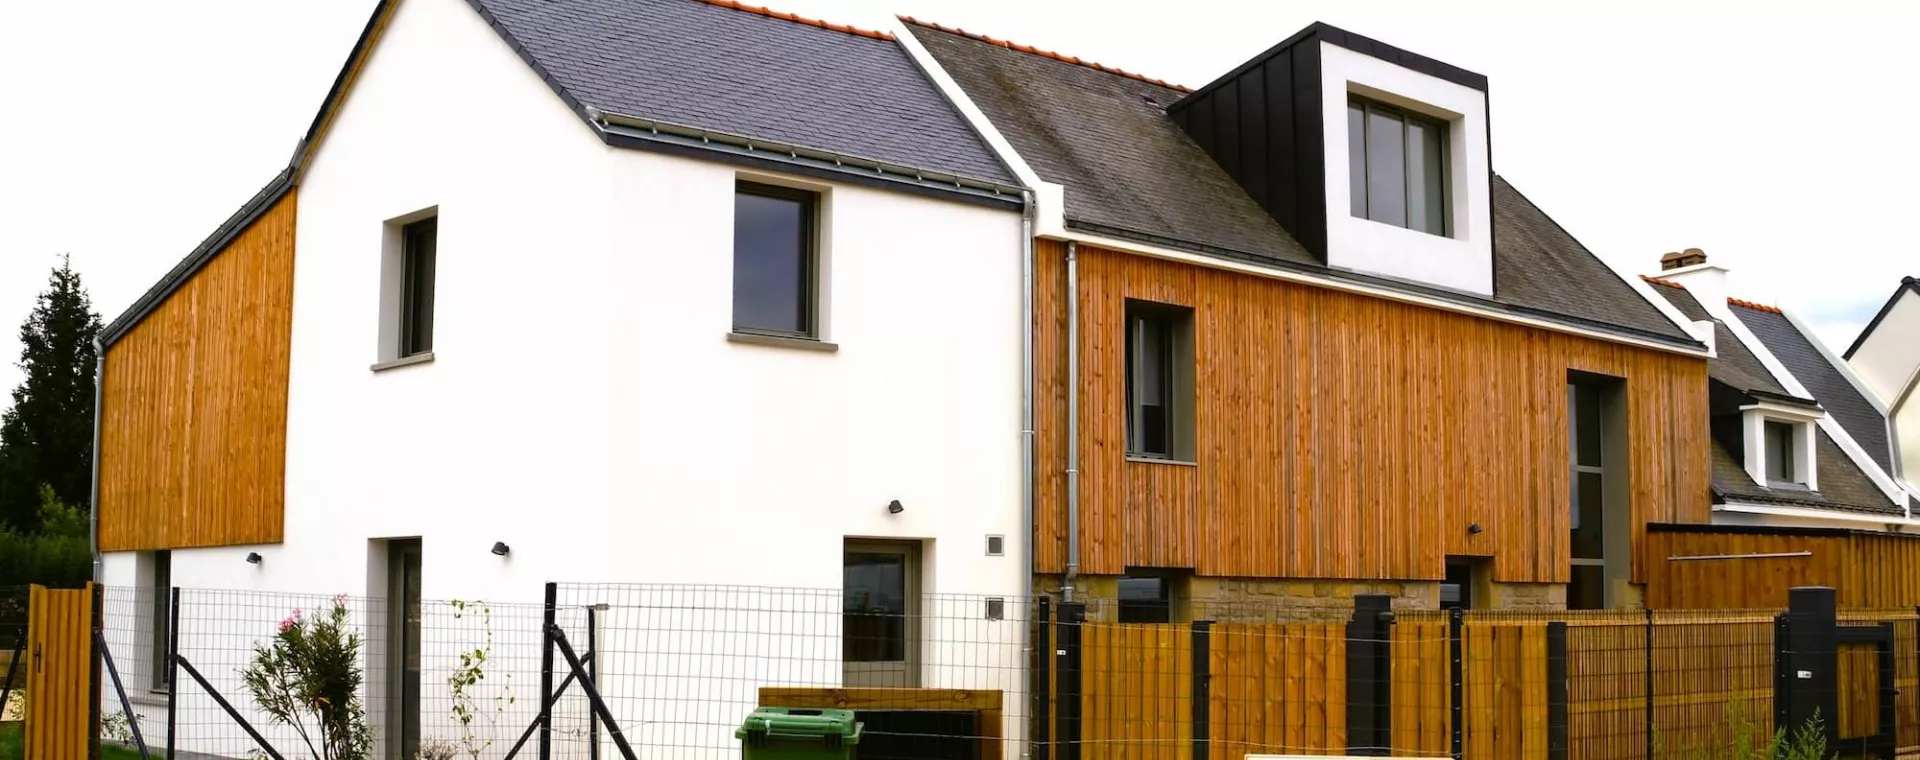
[(1735, 365), (1839, 397), (701, 65), (1128, 167)]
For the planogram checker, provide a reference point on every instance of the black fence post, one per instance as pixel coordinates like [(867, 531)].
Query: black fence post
[(173, 670), (1648, 686), (1889, 695), (1557, 717), (546, 672), (1072, 616), (1457, 675), (1369, 692), (1202, 687), (97, 635), (593, 674), (1042, 679), (1808, 658)]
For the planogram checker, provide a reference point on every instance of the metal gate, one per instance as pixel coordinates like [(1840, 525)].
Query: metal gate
[(62, 710)]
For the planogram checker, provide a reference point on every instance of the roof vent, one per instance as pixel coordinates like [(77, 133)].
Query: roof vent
[(1686, 258)]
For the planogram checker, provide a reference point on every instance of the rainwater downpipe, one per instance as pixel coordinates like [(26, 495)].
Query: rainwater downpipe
[(1073, 422), (93, 518), (1026, 396)]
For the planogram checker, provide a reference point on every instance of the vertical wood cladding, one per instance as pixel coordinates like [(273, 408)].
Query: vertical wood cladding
[(1865, 570), (193, 438), (1341, 436)]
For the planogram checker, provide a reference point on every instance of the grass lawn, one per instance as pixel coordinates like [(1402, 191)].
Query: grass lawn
[(10, 748)]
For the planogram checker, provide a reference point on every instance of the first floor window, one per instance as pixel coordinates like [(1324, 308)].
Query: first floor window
[(1397, 166), (773, 260), (419, 243), (1159, 381)]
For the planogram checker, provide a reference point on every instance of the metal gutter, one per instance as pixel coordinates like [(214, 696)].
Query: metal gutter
[(800, 156)]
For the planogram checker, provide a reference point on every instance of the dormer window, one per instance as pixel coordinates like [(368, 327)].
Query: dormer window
[(1397, 166), (1781, 465), (1779, 443)]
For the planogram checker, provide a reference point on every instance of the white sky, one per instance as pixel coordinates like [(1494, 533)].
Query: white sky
[(129, 129)]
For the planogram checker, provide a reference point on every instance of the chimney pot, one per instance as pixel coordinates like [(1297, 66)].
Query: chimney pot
[(1686, 258)]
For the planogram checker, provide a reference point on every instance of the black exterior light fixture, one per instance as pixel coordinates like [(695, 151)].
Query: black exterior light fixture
[(894, 508), (500, 549), (253, 558)]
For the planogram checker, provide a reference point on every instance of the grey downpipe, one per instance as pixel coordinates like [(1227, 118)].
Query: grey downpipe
[(1026, 430), (93, 519), (1073, 422)]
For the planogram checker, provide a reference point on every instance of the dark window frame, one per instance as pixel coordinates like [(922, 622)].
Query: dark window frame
[(419, 268), (809, 285), (1166, 604), (1175, 325), (1369, 106), (1783, 469)]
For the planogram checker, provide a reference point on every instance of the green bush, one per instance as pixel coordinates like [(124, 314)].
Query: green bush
[(58, 556)]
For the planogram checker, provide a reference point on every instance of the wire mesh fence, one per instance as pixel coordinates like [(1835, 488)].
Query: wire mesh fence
[(677, 668), (13, 633)]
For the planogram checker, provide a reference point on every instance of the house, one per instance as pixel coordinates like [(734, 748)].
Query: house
[(616, 291), (1886, 358), (1803, 462), (1296, 340), (1797, 436)]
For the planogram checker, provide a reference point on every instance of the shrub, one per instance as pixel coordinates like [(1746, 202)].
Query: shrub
[(308, 677)]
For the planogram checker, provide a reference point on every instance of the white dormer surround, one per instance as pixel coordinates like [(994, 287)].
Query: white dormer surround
[(1463, 258), (1753, 428)]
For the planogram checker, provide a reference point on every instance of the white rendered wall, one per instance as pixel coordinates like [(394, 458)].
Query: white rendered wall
[(1892, 353), (1461, 261), (584, 405)]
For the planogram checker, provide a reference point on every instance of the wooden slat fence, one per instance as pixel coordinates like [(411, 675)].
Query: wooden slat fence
[(1281, 688)]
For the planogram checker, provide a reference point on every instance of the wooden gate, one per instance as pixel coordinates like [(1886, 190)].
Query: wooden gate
[(60, 674)]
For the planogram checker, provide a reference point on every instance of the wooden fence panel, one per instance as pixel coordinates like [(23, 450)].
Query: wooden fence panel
[(1422, 687), (1606, 689), (59, 681), (1859, 691), (1713, 674), (1136, 692), (1278, 689)]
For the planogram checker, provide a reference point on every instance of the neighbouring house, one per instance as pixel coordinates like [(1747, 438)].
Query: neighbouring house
[(727, 297), (1803, 458), (1296, 340), (1886, 357)]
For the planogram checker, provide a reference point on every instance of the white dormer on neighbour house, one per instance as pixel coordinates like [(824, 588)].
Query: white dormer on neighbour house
[(1778, 440)]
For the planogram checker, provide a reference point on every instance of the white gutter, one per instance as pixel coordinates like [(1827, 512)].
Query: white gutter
[(1813, 513)]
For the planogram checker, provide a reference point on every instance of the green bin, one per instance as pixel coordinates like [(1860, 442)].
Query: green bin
[(796, 733)]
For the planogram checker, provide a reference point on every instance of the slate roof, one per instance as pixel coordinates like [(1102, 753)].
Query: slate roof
[(1130, 171), (749, 73), (1840, 398), (1843, 485), (1735, 366)]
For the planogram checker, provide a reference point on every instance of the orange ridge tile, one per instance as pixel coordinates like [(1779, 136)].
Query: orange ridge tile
[(1061, 57), (798, 19), (1754, 306), (1660, 281)]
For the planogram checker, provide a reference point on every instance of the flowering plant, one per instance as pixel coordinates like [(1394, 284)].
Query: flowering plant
[(308, 677)]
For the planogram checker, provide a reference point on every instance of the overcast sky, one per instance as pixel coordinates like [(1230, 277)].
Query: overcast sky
[(129, 129)]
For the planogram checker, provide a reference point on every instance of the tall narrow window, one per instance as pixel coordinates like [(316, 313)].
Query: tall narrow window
[(1780, 453), (404, 625), (1586, 445), (160, 589), (1397, 167), (418, 251), (773, 260), (1159, 381)]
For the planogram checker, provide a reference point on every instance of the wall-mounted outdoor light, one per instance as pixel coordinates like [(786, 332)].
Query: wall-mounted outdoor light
[(253, 558), (500, 549), (894, 508)]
